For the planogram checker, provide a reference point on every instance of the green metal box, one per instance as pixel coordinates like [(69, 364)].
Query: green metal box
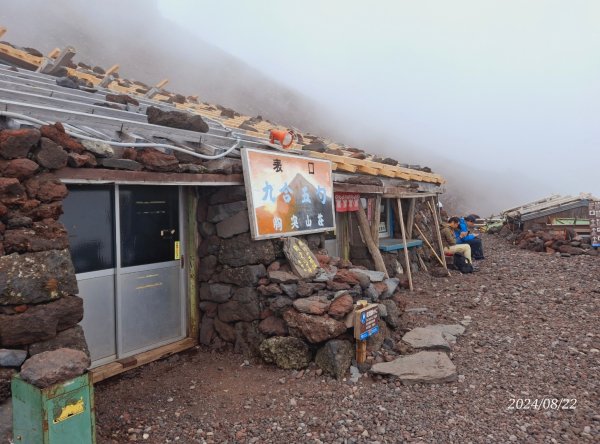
[(59, 414)]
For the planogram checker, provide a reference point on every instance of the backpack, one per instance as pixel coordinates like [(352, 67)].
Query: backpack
[(461, 264)]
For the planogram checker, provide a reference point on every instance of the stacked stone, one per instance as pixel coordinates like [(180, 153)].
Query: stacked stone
[(250, 298), (38, 307), (551, 241)]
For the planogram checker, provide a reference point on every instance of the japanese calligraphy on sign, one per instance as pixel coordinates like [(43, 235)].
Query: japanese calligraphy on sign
[(594, 215), (302, 261), (287, 194), (366, 322)]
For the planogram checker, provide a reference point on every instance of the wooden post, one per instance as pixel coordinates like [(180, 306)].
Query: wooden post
[(433, 208), (406, 257), (361, 346), (421, 261), (410, 219), (162, 83), (442, 263), (376, 219), (436, 220), (363, 224)]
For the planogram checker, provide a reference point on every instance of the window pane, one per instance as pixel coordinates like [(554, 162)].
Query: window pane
[(149, 224), (89, 220)]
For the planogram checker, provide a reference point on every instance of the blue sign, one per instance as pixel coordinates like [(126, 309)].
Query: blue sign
[(369, 332)]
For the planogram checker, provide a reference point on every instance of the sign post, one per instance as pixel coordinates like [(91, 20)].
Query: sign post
[(366, 323), (594, 215)]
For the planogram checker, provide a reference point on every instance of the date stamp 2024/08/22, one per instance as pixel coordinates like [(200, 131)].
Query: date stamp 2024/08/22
[(542, 404)]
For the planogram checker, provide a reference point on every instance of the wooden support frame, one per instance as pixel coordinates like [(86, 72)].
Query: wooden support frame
[(406, 255), (376, 219), (363, 224), (410, 219), (433, 207), (442, 262)]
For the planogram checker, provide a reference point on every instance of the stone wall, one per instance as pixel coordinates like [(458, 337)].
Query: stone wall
[(251, 302), (39, 309)]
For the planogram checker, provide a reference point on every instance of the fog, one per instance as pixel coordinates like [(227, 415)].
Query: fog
[(501, 97)]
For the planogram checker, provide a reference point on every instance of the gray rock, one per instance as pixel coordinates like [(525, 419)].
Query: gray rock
[(392, 317), (191, 168), (282, 277), (51, 367), (218, 213), (392, 284), (227, 195), (207, 267), (354, 374), (243, 276), (207, 330), (371, 293), (426, 367), (11, 357), (314, 328), (241, 250), (290, 290), (449, 331), (286, 352), (32, 278), (50, 155), (248, 339), (120, 164), (99, 149), (280, 304), (335, 357), (40, 322), (417, 310), (72, 338), (374, 276), (206, 229), (382, 311), (244, 306), (236, 224), (218, 293), (224, 165), (316, 305), (325, 275), (226, 331), (426, 338)]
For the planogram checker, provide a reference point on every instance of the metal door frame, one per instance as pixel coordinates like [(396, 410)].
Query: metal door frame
[(116, 271)]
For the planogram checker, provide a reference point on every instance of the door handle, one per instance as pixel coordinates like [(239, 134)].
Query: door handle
[(182, 261)]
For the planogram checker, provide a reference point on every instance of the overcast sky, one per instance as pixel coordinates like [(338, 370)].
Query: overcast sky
[(509, 86)]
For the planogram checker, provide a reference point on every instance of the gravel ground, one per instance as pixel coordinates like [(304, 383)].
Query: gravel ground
[(534, 334)]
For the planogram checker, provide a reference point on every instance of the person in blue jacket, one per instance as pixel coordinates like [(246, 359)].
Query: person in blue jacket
[(465, 235)]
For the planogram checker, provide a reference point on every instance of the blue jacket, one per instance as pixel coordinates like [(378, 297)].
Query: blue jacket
[(462, 227)]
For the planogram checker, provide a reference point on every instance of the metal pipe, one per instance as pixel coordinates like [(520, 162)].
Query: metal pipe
[(126, 144)]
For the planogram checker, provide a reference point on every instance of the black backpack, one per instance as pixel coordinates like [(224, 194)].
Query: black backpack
[(461, 264)]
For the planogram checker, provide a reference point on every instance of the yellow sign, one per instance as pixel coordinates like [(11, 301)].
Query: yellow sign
[(177, 250), (70, 410)]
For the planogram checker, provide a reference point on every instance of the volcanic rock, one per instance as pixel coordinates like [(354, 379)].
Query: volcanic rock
[(426, 367), (32, 278), (18, 142), (176, 119), (286, 352), (51, 367), (335, 357)]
